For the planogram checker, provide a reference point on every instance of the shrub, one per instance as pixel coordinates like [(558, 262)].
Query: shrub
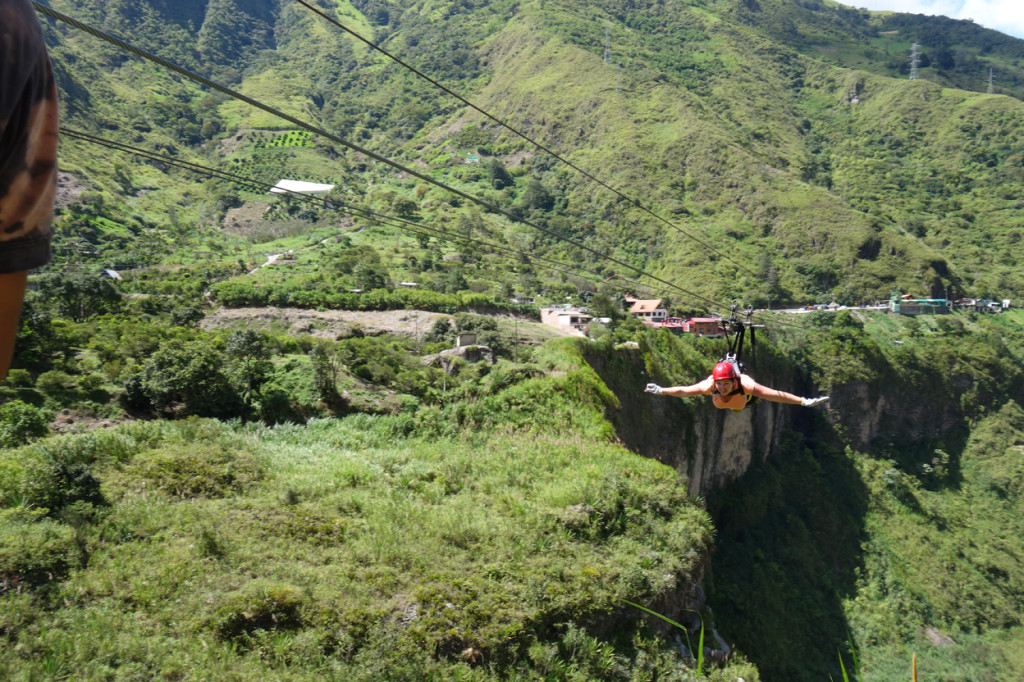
[(187, 316), (54, 381), (33, 552), (52, 485), (18, 378), (91, 382), (21, 423), (192, 470), (191, 373), (258, 606)]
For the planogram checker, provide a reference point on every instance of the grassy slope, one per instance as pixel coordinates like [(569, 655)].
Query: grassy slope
[(346, 548)]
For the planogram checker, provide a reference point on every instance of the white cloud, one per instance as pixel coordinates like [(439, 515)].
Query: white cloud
[(1006, 16)]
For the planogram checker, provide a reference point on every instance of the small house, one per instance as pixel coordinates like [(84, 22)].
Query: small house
[(648, 310)]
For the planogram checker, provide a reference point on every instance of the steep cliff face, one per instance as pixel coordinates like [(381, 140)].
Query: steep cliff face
[(711, 447), (861, 412)]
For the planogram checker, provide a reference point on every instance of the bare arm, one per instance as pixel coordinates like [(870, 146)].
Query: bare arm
[(12, 289), (770, 394), (700, 388)]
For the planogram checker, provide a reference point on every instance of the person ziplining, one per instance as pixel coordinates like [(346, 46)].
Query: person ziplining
[(728, 385), (730, 389)]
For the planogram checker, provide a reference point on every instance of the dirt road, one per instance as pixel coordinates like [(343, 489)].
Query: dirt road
[(333, 324)]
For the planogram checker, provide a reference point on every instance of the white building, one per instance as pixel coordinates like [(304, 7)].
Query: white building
[(571, 320)]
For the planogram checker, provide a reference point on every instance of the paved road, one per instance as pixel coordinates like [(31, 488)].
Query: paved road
[(826, 309)]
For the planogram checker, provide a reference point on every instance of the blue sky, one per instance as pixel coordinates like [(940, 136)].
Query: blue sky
[(1006, 16)]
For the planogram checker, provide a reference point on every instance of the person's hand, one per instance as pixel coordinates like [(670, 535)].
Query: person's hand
[(811, 402), (653, 388)]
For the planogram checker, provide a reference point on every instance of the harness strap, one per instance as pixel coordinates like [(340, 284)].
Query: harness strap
[(753, 345)]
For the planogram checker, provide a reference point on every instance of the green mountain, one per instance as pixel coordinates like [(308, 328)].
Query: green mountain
[(767, 152)]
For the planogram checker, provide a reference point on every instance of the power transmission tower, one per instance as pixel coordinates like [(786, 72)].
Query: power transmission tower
[(991, 81), (915, 61), (607, 41)]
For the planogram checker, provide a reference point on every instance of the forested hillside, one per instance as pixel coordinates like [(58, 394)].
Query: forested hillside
[(238, 440), (734, 150)]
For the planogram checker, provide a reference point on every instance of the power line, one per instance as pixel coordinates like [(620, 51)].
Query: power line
[(360, 212), (634, 202), (323, 133)]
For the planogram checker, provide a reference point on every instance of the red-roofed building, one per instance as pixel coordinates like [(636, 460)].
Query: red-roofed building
[(676, 325), (705, 326)]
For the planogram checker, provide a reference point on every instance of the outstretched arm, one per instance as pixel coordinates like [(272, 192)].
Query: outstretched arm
[(700, 388), (773, 395)]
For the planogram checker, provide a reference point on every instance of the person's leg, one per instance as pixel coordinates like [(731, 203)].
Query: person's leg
[(12, 291)]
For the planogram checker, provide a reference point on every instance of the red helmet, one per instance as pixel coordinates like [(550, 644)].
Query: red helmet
[(724, 370)]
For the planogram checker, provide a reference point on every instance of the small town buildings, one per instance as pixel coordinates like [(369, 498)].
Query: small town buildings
[(905, 305), (981, 305), (699, 326)]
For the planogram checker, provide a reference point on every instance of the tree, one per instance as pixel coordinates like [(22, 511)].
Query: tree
[(327, 369), (405, 208), (79, 295), (440, 332), (187, 316), (371, 276), (250, 361), (190, 373), (604, 305), (468, 322), (537, 196), (455, 281), (944, 58), (499, 175), (38, 339)]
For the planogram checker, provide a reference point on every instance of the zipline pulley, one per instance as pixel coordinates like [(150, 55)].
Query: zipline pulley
[(735, 328)]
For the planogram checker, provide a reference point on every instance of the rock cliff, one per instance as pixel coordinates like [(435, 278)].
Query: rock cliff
[(713, 447)]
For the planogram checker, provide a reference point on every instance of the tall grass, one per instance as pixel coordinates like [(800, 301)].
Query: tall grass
[(354, 550)]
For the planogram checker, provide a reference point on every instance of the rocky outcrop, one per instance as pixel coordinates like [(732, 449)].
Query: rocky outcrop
[(862, 411), (474, 353)]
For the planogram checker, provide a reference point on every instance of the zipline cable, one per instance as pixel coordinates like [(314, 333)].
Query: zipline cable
[(391, 221), (503, 124), (331, 136)]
